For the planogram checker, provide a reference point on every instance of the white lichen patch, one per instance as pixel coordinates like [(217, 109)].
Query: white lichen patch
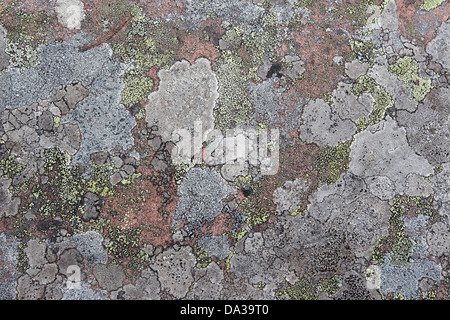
[(70, 13), (386, 153), (187, 94), (439, 47), (175, 270), (349, 106), (323, 127)]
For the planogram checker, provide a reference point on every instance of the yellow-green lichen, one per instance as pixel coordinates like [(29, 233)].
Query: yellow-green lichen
[(332, 161), (233, 106), (301, 290), (228, 259), (431, 4), (243, 181), (239, 64), (407, 70), (330, 285), (202, 257), (365, 51), (397, 242), (137, 88), (22, 56), (361, 124), (130, 180), (24, 33), (10, 167), (258, 214), (140, 115), (366, 84), (148, 44), (358, 12), (401, 251), (181, 169), (99, 181), (304, 3)]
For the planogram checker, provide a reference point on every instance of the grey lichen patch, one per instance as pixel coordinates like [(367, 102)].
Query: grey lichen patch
[(10, 204), (355, 69), (385, 152), (441, 189), (439, 47), (349, 106), (407, 70), (4, 58), (259, 264), (217, 246), (84, 292), (201, 194), (427, 128), (90, 245), (175, 270), (186, 94), (404, 280), (207, 286), (350, 209), (61, 63), (9, 249), (109, 277), (395, 88), (323, 127), (146, 287), (235, 12), (270, 108), (103, 121), (35, 251), (388, 19), (287, 197), (438, 239)]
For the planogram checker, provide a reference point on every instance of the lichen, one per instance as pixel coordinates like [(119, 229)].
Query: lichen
[(431, 4), (331, 162), (233, 106), (136, 89), (407, 70), (365, 51), (237, 65), (330, 285), (300, 290), (366, 84), (148, 43), (10, 167), (397, 243), (202, 256)]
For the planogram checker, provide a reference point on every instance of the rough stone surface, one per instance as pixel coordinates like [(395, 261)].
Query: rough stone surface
[(223, 150)]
